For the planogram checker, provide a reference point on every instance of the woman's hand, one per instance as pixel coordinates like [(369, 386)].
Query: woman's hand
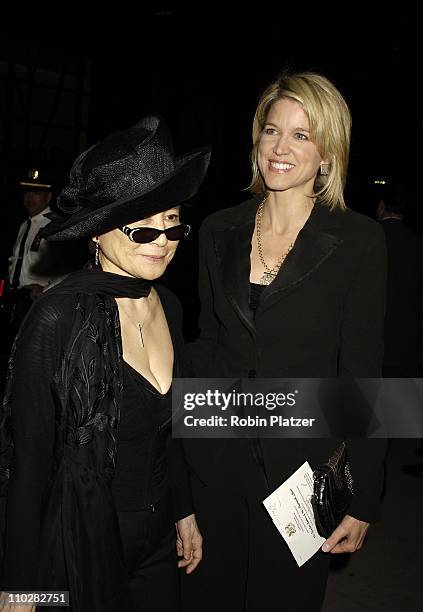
[(347, 537), (6, 606), (16, 608), (189, 543)]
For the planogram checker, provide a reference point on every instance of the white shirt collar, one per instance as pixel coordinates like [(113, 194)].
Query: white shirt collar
[(40, 215)]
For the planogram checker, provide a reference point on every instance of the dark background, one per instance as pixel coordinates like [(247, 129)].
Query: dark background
[(65, 87)]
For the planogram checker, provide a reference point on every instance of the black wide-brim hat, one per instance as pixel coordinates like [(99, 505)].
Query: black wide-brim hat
[(128, 176)]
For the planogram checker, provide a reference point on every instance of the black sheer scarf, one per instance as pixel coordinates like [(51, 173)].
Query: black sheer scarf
[(96, 281)]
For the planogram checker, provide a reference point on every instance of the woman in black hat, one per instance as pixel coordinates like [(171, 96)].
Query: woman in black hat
[(96, 482)]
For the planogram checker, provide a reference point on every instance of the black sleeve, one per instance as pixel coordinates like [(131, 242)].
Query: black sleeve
[(179, 479), (29, 397), (203, 349), (361, 357), (361, 352), (178, 469)]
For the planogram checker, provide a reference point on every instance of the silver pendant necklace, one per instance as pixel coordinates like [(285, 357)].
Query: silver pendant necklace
[(140, 328), (141, 336)]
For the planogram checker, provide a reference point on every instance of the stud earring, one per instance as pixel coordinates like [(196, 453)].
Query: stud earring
[(324, 169)]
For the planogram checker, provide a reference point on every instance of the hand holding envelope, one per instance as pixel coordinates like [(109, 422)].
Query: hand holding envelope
[(291, 511), (347, 537)]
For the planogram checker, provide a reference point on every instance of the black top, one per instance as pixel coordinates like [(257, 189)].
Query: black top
[(141, 478), (255, 295)]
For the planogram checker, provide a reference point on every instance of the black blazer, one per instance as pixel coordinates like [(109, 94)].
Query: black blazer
[(404, 305), (321, 317)]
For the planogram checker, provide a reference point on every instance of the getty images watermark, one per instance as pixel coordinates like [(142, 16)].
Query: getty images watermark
[(297, 408), (234, 400)]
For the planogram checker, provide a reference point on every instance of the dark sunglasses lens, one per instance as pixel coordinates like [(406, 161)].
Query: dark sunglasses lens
[(177, 233), (145, 234)]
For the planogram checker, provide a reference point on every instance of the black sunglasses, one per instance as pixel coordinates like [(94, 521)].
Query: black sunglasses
[(141, 235)]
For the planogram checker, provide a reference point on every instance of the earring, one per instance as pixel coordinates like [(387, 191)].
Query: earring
[(97, 254), (324, 169)]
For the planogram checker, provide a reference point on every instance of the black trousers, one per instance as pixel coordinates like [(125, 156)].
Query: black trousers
[(246, 567), (149, 545)]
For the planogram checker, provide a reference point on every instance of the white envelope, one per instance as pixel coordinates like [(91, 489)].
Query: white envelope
[(290, 509)]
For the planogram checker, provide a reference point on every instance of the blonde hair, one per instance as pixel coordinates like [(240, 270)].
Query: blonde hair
[(330, 128)]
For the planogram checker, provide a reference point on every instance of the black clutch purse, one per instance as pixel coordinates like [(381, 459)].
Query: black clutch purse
[(332, 491)]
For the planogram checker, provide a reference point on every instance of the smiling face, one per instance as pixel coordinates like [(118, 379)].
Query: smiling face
[(118, 254), (287, 158)]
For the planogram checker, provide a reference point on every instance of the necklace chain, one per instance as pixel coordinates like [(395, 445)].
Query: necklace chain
[(139, 324), (270, 273)]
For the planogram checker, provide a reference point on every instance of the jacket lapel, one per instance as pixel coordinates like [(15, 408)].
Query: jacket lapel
[(232, 245), (316, 242)]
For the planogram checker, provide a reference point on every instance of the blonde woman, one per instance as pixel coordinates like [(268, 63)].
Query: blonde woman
[(292, 285)]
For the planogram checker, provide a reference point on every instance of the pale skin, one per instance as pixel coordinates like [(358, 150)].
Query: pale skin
[(286, 139), (148, 261), (7, 607)]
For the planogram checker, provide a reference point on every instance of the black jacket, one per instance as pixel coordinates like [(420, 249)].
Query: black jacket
[(321, 317), (59, 432), (404, 305)]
